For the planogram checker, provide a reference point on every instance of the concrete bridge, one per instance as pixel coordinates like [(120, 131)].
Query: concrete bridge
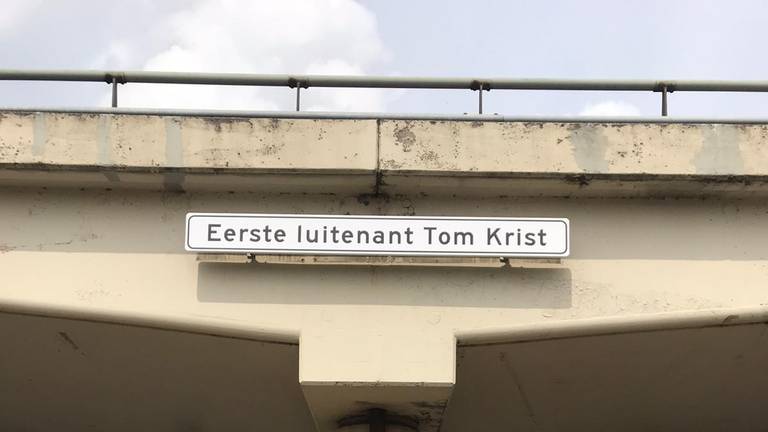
[(656, 321)]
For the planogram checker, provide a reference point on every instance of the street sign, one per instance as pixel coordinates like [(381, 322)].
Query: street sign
[(377, 235)]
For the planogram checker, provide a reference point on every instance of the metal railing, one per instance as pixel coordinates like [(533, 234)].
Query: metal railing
[(298, 82)]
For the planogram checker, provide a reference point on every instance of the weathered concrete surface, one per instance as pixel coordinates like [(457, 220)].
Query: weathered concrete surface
[(121, 252), (109, 238), (146, 142), (382, 156), (608, 148), (580, 159), (175, 153)]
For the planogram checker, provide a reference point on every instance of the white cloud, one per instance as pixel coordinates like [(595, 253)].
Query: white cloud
[(610, 109), (289, 36), (14, 12)]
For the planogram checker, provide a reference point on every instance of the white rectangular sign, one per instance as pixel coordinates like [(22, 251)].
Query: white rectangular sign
[(377, 235)]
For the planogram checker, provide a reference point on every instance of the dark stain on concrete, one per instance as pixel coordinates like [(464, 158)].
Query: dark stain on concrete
[(174, 181), (429, 156), (269, 149), (364, 199), (430, 414), (273, 125), (69, 340), (219, 123), (580, 180), (391, 164), (405, 137)]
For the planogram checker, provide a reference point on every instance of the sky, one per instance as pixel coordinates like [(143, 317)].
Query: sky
[(585, 39)]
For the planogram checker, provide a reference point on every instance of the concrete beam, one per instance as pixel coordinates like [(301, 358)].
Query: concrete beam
[(572, 159), (187, 153), (395, 157)]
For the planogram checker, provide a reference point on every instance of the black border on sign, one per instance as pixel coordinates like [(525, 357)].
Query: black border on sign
[(376, 252)]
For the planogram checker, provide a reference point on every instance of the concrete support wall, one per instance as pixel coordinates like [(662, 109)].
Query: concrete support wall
[(121, 252)]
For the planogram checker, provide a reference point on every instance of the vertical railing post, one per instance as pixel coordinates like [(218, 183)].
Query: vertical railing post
[(479, 86), (480, 100), (293, 82), (663, 100), (114, 92)]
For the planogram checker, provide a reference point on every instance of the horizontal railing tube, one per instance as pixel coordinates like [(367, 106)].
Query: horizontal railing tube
[(151, 77)]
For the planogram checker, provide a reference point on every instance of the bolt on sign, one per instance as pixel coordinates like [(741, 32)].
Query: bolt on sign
[(377, 235)]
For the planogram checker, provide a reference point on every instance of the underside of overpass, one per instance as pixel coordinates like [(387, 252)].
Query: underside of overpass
[(64, 374), (658, 320)]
